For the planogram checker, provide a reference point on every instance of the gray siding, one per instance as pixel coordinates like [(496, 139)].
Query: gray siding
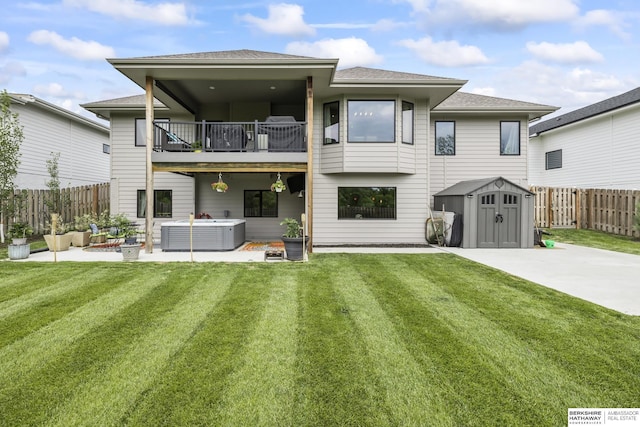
[(81, 162)]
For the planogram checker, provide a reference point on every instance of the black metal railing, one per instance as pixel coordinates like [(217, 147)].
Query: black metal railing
[(275, 135)]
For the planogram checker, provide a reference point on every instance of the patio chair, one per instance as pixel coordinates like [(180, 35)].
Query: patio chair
[(96, 236)]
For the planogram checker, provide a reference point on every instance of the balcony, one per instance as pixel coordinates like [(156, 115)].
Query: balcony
[(278, 134)]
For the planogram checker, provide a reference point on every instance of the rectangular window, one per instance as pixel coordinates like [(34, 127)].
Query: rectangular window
[(331, 119), (106, 148), (162, 203), (260, 203), (371, 121), (553, 159), (510, 138), (445, 138), (141, 132), (366, 203), (407, 122)]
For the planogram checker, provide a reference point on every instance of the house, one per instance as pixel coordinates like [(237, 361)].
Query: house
[(83, 145), (593, 147), (362, 150)]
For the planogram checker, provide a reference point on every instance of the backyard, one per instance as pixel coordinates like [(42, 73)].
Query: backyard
[(346, 339)]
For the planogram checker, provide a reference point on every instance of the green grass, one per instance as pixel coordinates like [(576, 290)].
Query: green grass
[(595, 239), (362, 340)]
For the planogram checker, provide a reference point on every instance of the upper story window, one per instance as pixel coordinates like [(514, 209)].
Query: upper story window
[(553, 159), (331, 120), (407, 122), (445, 138), (371, 121), (510, 138), (141, 131), (106, 148)]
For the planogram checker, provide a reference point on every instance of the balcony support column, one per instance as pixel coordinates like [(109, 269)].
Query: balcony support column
[(308, 192), (148, 222)]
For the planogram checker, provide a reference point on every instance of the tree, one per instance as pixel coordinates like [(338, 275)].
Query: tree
[(11, 137), (55, 200)]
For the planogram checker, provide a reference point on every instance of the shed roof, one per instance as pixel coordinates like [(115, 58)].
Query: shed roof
[(464, 188), (610, 104)]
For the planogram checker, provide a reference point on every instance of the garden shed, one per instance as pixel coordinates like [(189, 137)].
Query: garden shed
[(496, 213)]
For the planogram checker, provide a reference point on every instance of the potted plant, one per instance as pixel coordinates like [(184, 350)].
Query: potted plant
[(196, 146), (130, 252), (59, 240), (19, 231), (220, 186), (292, 239), (278, 186), (81, 235)]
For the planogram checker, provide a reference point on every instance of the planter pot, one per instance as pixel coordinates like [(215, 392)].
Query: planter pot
[(80, 239), (293, 247), (62, 241), (130, 252), (19, 251), (19, 241), (98, 238)]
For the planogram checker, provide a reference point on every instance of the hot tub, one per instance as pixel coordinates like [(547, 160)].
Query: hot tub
[(208, 235)]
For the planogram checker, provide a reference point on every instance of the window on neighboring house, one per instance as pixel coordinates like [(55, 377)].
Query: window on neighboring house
[(106, 148), (510, 138), (445, 138), (331, 119), (371, 121), (141, 132), (260, 203), (407, 122), (553, 159), (162, 203), (366, 203)]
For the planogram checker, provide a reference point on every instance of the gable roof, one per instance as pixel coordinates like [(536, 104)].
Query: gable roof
[(464, 188), (464, 102), (375, 74), (610, 104), (242, 54)]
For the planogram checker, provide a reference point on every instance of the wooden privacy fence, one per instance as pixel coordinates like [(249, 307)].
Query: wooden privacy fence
[(82, 200), (607, 210)]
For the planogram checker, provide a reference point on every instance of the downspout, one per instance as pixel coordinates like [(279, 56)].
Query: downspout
[(148, 223), (428, 155), (309, 184)]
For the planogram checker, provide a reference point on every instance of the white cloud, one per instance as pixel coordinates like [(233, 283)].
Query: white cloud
[(352, 51), (284, 19), (503, 14), (55, 90), (606, 18), (565, 53), (162, 14), (11, 70), (487, 91), (445, 53), (4, 41), (384, 25), (74, 47)]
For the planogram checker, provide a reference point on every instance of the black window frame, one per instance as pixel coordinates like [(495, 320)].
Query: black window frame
[(556, 163), (412, 125), (349, 121), (141, 204), (503, 146), (365, 210), (260, 194), (106, 149), (436, 151), (326, 114)]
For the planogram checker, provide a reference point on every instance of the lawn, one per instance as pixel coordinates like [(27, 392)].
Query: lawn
[(346, 339), (595, 239)]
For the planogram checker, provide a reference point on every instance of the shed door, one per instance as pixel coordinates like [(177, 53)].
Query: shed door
[(499, 220)]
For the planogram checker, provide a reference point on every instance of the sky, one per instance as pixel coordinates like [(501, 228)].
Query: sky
[(565, 53)]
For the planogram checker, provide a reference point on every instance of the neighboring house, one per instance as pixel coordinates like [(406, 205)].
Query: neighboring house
[(597, 146), (83, 145), (369, 147)]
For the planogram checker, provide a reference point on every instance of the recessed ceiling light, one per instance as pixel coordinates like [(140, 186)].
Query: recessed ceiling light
[(272, 88), (212, 87)]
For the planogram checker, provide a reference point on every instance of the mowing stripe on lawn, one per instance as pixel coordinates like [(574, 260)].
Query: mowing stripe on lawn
[(38, 348), (12, 283), (412, 393), (336, 383), (261, 391), (535, 382), (190, 389), (107, 395)]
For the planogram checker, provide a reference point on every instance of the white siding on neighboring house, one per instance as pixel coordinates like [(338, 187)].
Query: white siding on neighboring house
[(128, 166), (477, 152), (82, 160), (600, 152), (411, 189)]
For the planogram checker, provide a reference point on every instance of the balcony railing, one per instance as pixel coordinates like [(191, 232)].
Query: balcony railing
[(277, 134)]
